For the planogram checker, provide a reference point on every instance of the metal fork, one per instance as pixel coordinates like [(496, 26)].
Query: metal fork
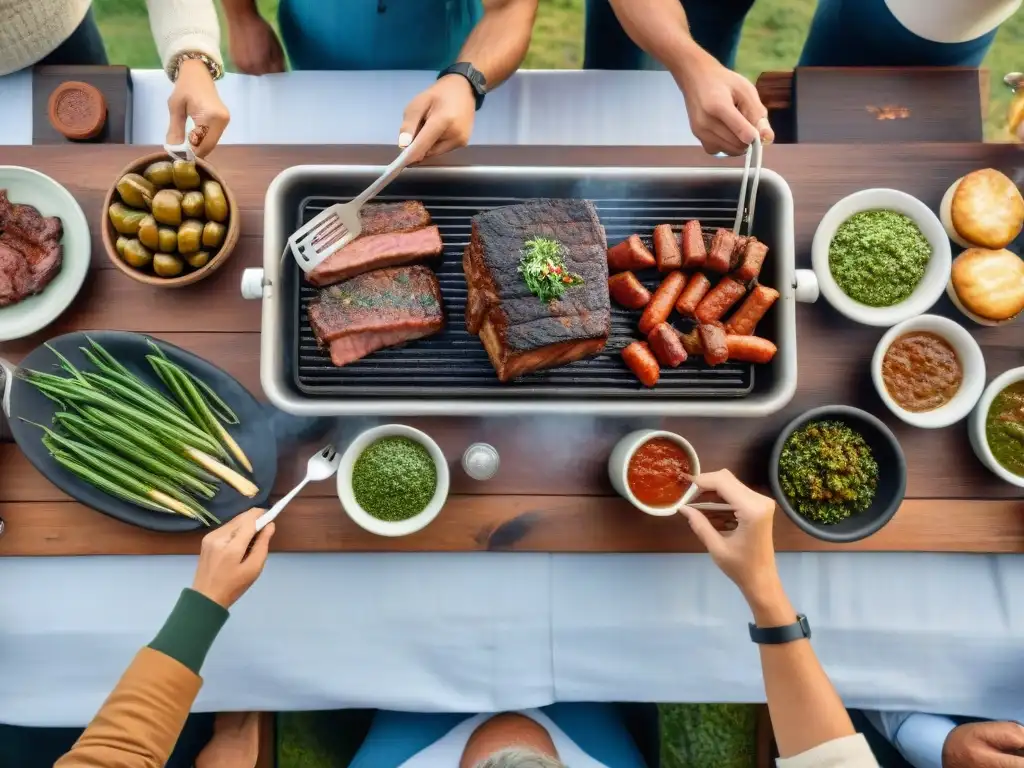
[(339, 225), (320, 466), (745, 207)]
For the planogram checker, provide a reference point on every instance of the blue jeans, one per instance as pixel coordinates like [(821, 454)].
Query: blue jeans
[(597, 729), (386, 34), (844, 33)]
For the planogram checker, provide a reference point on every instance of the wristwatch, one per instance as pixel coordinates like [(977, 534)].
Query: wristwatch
[(476, 79), (799, 630)]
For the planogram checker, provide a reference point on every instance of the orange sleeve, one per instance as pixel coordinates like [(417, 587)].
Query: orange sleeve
[(139, 723)]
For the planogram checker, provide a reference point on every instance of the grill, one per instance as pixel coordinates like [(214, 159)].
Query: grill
[(453, 363), (449, 374)]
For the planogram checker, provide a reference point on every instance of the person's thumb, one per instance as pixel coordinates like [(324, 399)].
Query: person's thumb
[(178, 114), (413, 117), (1004, 736), (702, 528)]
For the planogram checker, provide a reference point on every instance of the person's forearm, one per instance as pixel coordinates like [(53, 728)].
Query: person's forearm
[(805, 709), (184, 25), (498, 43), (660, 28), (234, 9)]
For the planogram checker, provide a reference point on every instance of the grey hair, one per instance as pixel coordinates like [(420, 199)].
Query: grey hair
[(516, 757)]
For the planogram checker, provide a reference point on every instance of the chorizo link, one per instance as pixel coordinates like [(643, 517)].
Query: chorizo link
[(661, 304)]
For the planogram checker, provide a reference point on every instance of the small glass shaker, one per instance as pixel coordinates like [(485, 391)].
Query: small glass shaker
[(481, 461)]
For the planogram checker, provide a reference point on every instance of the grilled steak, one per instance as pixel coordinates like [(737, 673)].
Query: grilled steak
[(376, 310), (521, 333), (30, 250), (392, 234)]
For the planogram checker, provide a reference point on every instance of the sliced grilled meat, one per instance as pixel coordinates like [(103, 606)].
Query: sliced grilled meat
[(376, 310), (521, 333), (369, 252)]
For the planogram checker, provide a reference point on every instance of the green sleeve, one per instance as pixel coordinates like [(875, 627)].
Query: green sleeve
[(190, 630)]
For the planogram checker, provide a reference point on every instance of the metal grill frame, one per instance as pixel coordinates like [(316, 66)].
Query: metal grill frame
[(770, 393)]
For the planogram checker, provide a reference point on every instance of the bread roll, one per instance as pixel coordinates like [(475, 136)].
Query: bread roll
[(988, 286), (983, 209)]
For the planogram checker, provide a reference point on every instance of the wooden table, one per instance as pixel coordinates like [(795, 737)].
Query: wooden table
[(552, 493)]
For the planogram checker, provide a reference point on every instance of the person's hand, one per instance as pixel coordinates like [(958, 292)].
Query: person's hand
[(984, 745), (725, 111), (746, 555), (225, 572), (235, 742), (195, 95), (254, 46), (441, 118)]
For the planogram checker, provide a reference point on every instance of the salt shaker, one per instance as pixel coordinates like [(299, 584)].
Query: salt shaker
[(480, 461)]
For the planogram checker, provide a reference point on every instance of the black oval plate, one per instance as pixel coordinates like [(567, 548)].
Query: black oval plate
[(253, 434)]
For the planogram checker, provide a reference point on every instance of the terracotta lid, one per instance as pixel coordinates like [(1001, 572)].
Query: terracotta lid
[(78, 110)]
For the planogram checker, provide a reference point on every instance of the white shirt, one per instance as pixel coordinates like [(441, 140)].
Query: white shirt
[(952, 21)]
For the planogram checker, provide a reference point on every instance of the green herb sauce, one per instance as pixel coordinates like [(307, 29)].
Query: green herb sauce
[(1004, 428), (878, 257), (394, 479), (827, 472), (543, 269)]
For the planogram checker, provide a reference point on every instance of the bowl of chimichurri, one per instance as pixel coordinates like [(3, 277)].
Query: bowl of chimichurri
[(838, 473), (997, 427), (881, 257), (393, 480)]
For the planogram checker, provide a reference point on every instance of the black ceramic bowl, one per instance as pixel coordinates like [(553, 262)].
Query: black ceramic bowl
[(892, 474)]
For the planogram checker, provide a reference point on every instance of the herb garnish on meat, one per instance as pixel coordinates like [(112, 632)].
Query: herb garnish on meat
[(543, 268)]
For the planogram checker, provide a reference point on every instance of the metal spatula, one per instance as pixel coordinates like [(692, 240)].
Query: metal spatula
[(339, 225)]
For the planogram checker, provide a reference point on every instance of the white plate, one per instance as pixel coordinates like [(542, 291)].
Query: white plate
[(30, 187), (936, 273)]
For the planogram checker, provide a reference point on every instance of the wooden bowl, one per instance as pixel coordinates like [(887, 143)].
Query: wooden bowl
[(188, 278)]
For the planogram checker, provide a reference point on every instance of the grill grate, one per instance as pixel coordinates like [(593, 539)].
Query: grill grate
[(453, 363)]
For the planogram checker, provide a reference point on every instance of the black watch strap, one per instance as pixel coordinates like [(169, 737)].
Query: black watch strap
[(799, 630), (476, 79)]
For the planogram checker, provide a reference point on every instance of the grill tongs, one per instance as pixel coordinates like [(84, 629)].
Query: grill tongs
[(745, 206), (339, 224)]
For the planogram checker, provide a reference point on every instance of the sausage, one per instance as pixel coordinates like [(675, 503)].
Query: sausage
[(694, 291), (745, 319), (750, 349), (662, 302), (631, 253), (714, 342), (722, 246), (667, 346), (737, 251), (692, 241), (752, 261), (719, 299), (666, 249), (628, 291), (642, 363)]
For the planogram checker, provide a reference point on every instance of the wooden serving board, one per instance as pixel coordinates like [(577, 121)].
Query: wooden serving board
[(114, 82)]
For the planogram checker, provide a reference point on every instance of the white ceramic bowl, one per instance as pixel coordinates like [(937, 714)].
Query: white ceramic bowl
[(618, 464), (369, 522), (24, 185), (936, 274), (977, 425), (972, 363)]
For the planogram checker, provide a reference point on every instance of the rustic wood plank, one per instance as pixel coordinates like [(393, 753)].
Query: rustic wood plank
[(511, 523), (544, 457)]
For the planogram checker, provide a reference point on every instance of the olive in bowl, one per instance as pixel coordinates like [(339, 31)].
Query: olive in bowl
[(168, 222)]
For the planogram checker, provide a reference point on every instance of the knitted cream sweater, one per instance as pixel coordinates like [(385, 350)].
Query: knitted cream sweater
[(30, 29)]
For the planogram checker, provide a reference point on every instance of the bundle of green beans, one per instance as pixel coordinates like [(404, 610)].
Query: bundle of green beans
[(132, 441)]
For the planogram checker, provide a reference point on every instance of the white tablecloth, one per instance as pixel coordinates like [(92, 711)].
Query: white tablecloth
[(478, 632)]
